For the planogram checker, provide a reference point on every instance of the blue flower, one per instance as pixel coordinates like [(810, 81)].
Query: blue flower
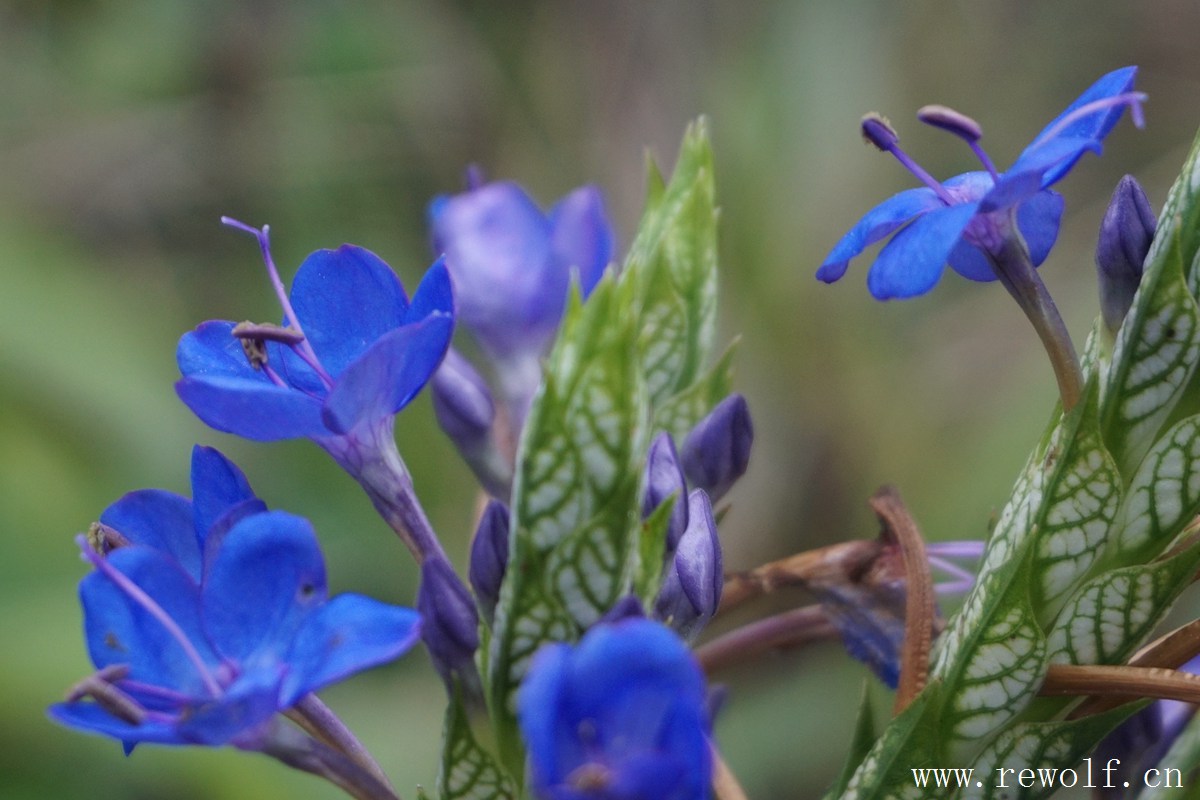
[(204, 619), (966, 220), (351, 353), (620, 716), (512, 264)]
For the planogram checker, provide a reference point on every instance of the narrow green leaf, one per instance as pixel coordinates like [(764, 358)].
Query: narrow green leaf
[(912, 738), (1178, 767), (864, 738)]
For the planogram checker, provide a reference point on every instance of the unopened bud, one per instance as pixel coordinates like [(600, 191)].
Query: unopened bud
[(717, 451), (489, 557), (1125, 236), (462, 403), (692, 583), (664, 479), (449, 623)]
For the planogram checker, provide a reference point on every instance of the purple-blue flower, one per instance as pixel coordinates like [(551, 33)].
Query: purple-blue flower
[(512, 263), (206, 618), (967, 220), (352, 350), (622, 715)]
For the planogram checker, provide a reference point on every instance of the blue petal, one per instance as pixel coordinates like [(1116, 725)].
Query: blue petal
[(388, 375), (211, 350), (497, 246), (239, 714), (434, 294), (970, 262), (158, 519), (1036, 169), (547, 731), (217, 486), (911, 263), (582, 237), (90, 717), (878, 223), (1038, 219), (120, 630), (348, 634), (254, 410), (346, 299), (268, 576), (1092, 127)]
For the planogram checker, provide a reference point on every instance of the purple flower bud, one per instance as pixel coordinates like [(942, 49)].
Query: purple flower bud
[(462, 402), (1125, 235), (489, 556), (691, 589), (716, 452), (664, 479), (449, 623), (512, 263)]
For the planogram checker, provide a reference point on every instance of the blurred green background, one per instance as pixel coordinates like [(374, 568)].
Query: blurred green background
[(128, 128)]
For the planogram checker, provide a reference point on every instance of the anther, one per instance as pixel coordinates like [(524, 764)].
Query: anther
[(104, 539), (100, 687), (950, 120), (878, 131)]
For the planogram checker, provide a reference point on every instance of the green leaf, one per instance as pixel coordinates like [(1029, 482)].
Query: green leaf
[(999, 672), (1163, 497), (860, 745), (673, 262), (1111, 614), (468, 771), (1047, 748), (1081, 500), (912, 738)]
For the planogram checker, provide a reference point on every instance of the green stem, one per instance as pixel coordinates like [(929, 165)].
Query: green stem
[(1016, 272)]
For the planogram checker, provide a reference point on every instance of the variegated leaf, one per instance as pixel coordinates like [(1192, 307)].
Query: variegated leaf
[(468, 771), (1111, 614), (1052, 750), (999, 673), (1081, 499), (1163, 497)]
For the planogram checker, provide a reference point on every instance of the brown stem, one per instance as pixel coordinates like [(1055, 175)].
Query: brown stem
[(725, 783), (1128, 683), (918, 602), (780, 632), (798, 570)]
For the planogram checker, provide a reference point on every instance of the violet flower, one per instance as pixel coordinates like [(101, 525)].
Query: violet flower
[(620, 716), (352, 351), (987, 225), (960, 221), (204, 625)]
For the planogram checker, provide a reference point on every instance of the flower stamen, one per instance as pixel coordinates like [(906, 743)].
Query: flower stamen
[(135, 593), (302, 348), (879, 132), (963, 127)]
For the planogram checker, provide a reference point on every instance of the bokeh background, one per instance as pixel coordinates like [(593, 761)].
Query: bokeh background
[(127, 128)]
